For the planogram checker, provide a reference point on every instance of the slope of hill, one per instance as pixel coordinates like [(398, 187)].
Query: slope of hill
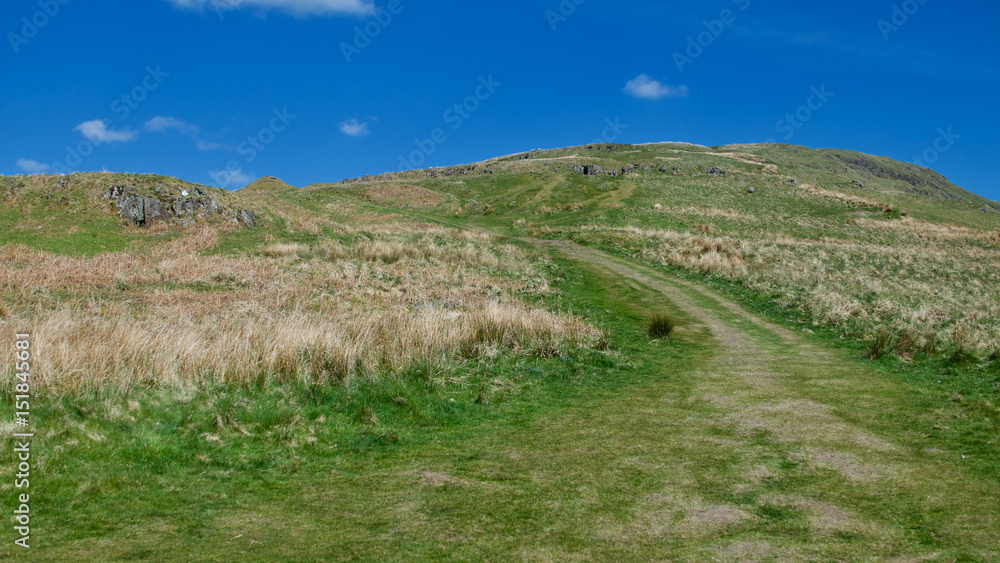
[(460, 362), (877, 248)]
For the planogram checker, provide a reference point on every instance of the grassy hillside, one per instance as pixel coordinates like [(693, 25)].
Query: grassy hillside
[(858, 242), (461, 363)]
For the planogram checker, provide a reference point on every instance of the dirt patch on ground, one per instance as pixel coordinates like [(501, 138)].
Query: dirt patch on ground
[(692, 517), (435, 479), (847, 465), (746, 551), (824, 517), (403, 194), (615, 199), (750, 159)]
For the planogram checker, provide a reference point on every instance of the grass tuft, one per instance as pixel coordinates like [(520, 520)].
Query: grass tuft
[(881, 345), (660, 325)]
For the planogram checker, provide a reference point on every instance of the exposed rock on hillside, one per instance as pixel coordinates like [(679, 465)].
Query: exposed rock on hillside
[(162, 205), (247, 218)]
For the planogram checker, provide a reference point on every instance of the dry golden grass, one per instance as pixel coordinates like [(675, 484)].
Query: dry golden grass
[(278, 250), (364, 308), (934, 285), (847, 198), (707, 254), (926, 229), (78, 350), (707, 212), (404, 194)]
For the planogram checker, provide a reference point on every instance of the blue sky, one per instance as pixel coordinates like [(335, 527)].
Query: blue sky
[(224, 91)]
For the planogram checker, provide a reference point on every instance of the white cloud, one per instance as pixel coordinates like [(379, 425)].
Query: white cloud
[(204, 145), (230, 178), (98, 132), (354, 128), (643, 86), (295, 7), (32, 166), (163, 124)]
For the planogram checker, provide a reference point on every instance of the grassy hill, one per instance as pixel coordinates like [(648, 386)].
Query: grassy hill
[(877, 248), (459, 363)]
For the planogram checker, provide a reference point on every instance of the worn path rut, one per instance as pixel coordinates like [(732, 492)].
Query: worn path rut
[(812, 408)]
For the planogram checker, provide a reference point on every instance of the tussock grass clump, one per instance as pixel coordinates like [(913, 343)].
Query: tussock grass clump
[(279, 250), (901, 342), (883, 343), (660, 325), (964, 343), (929, 343), (705, 228)]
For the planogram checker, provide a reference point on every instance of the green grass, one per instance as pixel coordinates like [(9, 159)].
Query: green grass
[(582, 456), (109, 460), (752, 432)]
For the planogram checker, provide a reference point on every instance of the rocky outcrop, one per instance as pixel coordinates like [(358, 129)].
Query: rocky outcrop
[(139, 209), (145, 208), (869, 166), (247, 218)]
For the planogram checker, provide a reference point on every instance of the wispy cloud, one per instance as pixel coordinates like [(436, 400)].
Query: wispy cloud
[(32, 166), (204, 145), (644, 87), (230, 178), (354, 128), (97, 131), (299, 8), (165, 124)]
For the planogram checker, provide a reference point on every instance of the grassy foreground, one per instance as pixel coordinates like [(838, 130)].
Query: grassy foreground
[(734, 439)]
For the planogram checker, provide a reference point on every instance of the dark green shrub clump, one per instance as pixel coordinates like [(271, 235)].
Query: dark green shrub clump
[(881, 345), (660, 326)]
